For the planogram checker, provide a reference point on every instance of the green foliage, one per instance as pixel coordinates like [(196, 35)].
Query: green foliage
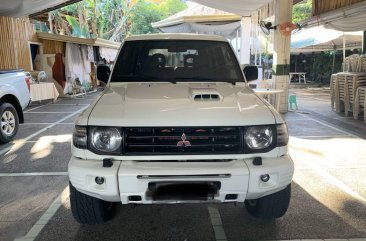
[(114, 19), (150, 13), (78, 29), (318, 65), (144, 13), (301, 11)]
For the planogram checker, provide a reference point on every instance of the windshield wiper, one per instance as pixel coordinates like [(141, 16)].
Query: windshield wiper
[(194, 78), (198, 78), (137, 78)]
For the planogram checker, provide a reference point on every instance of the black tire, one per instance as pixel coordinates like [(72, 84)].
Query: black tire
[(271, 206), (89, 210), (5, 136)]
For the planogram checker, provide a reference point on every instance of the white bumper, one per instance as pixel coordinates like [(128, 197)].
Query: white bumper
[(126, 179)]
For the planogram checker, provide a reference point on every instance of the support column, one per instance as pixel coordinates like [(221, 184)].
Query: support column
[(246, 24), (364, 42), (281, 51)]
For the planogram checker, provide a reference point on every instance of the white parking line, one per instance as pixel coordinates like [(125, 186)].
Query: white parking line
[(46, 217), (28, 174), (46, 123), (48, 112), (331, 179), (327, 125), (217, 224), (19, 142)]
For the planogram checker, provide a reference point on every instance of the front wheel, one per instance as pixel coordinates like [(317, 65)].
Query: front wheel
[(9, 122), (89, 210), (271, 206)]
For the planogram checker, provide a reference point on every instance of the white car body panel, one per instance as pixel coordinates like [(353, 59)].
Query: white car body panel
[(14, 84), (166, 104)]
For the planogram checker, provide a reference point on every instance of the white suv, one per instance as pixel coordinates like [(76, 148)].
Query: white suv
[(178, 123)]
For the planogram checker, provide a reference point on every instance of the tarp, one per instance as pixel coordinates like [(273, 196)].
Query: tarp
[(240, 7), (225, 30), (19, 8), (350, 23), (322, 38)]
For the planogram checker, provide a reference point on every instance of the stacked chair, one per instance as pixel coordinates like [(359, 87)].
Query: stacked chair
[(360, 103), (348, 88)]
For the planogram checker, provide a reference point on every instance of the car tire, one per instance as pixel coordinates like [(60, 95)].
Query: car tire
[(9, 122), (89, 210), (271, 206)]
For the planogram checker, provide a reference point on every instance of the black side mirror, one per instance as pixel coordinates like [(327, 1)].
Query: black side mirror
[(103, 72), (251, 72)]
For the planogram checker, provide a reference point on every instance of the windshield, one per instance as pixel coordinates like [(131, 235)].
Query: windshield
[(177, 61)]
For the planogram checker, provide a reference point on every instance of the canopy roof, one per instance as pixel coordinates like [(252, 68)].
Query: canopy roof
[(198, 18), (348, 19), (87, 41), (321, 39), (197, 13), (240, 7), (19, 8)]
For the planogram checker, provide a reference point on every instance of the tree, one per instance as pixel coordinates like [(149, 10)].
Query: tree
[(143, 14), (301, 11), (111, 19), (146, 12)]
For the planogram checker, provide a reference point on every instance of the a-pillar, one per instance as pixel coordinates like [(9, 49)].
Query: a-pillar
[(281, 51), (246, 24)]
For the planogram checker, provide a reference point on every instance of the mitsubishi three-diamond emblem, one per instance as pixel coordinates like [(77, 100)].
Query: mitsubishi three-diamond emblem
[(184, 141)]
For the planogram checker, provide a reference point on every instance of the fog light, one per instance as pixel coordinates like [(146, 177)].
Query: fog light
[(99, 180), (265, 178)]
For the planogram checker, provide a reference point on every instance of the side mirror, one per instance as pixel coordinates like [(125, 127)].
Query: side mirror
[(103, 72), (251, 72)]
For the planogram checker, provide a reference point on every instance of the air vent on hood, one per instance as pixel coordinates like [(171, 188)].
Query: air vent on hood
[(207, 97), (205, 94)]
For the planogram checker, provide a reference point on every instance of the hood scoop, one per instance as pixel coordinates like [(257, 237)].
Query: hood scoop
[(205, 94)]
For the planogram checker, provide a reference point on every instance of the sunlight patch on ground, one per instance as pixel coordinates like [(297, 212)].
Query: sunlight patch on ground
[(44, 146), (315, 156)]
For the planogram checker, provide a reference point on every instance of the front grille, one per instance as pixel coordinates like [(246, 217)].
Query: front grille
[(183, 140)]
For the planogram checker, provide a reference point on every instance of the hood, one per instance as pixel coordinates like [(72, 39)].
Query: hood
[(181, 104)]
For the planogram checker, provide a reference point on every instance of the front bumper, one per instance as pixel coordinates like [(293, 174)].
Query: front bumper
[(126, 180)]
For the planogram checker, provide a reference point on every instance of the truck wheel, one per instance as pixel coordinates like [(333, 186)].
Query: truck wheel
[(9, 122), (89, 210), (271, 206)]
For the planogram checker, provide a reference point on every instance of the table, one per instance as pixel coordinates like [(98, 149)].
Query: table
[(275, 92), (298, 76), (43, 91)]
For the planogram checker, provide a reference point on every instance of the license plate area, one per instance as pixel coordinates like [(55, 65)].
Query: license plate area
[(183, 191)]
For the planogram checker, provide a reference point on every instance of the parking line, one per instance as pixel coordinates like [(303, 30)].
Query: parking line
[(46, 217), (28, 174), (330, 126), (217, 223), (7, 149), (34, 108), (49, 112), (331, 179), (49, 123)]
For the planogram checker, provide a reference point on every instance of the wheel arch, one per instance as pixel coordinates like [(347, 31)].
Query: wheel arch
[(11, 99)]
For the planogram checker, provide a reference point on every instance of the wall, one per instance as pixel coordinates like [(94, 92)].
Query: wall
[(323, 6), (14, 46)]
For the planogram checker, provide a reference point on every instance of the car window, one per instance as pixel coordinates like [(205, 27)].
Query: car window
[(177, 61)]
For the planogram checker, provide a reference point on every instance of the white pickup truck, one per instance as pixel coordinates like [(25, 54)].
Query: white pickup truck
[(14, 98), (178, 123)]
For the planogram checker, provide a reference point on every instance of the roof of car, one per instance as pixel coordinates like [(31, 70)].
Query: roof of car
[(176, 36)]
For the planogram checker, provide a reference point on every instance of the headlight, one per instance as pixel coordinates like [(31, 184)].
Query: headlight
[(259, 137), (105, 139)]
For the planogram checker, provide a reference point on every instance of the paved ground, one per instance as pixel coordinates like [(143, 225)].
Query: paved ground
[(328, 198)]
